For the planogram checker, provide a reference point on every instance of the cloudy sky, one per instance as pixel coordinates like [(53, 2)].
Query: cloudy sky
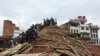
[(27, 12)]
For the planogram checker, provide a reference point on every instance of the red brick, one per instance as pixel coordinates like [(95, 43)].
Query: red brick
[(9, 28)]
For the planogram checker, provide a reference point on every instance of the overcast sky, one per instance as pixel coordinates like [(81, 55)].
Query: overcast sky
[(24, 13)]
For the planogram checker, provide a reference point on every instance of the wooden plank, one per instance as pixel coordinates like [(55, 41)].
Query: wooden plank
[(38, 54), (61, 48), (40, 45), (20, 51), (27, 50)]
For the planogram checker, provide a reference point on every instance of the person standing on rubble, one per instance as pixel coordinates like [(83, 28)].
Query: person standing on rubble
[(51, 21), (47, 22), (31, 34), (22, 37), (35, 36), (27, 36)]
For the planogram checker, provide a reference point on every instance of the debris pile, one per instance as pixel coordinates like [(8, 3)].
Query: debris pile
[(13, 50), (58, 41), (53, 41)]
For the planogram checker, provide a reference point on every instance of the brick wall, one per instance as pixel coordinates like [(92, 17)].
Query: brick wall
[(8, 28), (14, 27)]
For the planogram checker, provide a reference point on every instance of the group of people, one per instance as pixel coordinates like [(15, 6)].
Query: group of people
[(50, 22), (31, 34), (28, 36)]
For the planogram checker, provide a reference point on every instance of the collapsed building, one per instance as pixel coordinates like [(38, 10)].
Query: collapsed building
[(53, 41)]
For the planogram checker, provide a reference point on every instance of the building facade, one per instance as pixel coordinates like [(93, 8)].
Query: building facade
[(83, 30), (94, 34), (8, 28)]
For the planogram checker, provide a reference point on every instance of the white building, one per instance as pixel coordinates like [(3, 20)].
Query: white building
[(17, 32), (94, 34), (83, 30)]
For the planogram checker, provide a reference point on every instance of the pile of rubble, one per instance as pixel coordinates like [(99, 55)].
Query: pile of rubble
[(13, 50), (58, 41), (53, 41)]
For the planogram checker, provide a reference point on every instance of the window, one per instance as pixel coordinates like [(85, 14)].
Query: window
[(87, 28), (91, 35), (82, 22), (96, 31), (93, 31), (82, 28), (77, 31), (74, 30), (96, 35)]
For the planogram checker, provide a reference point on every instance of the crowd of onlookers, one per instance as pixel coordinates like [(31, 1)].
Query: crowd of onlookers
[(28, 36), (50, 22), (31, 34)]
